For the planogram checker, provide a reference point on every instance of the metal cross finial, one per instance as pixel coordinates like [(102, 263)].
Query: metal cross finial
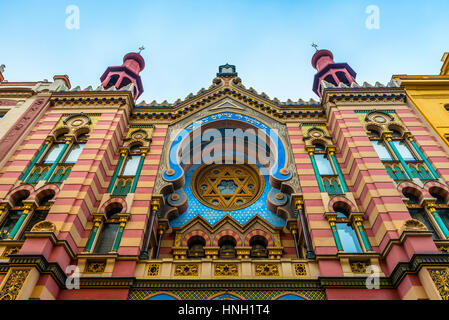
[(141, 49), (315, 46)]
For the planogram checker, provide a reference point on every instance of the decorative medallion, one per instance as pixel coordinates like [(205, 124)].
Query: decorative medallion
[(153, 269), (226, 269), (186, 270), (95, 267), (227, 186), (441, 279), (44, 226), (267, 269), (300, 269), (359, 266)]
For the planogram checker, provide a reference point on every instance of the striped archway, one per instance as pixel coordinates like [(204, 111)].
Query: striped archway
[(227, 233), (261, 233), (195, 233)]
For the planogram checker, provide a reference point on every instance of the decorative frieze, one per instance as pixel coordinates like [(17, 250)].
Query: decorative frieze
[(187, 270), (300, 269), (267, 270), (13, 285), (226, 269), (153, 269), (95, 267), (441, 279)]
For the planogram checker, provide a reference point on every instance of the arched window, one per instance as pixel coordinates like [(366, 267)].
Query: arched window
[(56, 162), (258, 247), (346, 232), (13, 215), (227, 247), (112, 81), (439, 197), (442, 205), (196, 247), (129, 172), (109, 230), (327, 171), (398, 156), (40, 213), (419, 213)]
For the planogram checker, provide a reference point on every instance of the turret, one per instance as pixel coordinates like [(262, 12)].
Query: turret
[(328, 70), (128, 72)]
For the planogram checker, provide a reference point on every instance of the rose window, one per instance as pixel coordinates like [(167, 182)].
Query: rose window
[(227, 187)]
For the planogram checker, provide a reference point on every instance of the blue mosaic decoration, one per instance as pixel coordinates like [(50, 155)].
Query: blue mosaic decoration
[(226, 296), (242, 216), (176, 171), (290, 297)]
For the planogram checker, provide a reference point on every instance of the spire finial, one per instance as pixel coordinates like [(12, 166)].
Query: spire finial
[(141, 49), (315, 46)]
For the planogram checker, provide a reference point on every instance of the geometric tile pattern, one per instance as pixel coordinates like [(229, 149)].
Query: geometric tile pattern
[(246, 294), (212, 216)]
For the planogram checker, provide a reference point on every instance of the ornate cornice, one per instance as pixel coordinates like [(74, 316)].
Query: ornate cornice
[(52, 268)]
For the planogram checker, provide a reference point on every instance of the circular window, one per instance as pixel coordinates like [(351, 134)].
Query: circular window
[(227, 187), (380, 119)]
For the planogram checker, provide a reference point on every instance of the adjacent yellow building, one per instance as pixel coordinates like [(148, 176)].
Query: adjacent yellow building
[(430, 95)]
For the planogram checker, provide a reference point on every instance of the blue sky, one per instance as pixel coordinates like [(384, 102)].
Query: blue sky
[(186, 41)]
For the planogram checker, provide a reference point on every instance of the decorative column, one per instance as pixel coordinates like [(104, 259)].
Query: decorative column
[(155, 204), (123, 153), (97, 222), (123, 220), (163, 225), (299, 203), (332, 218), (430, 206), (357, 219), (421, 155), (294, 232), (19, 223), (387, 137), (331, 152), (48, 141), (311, 150), (68, 142), (143, 152)]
